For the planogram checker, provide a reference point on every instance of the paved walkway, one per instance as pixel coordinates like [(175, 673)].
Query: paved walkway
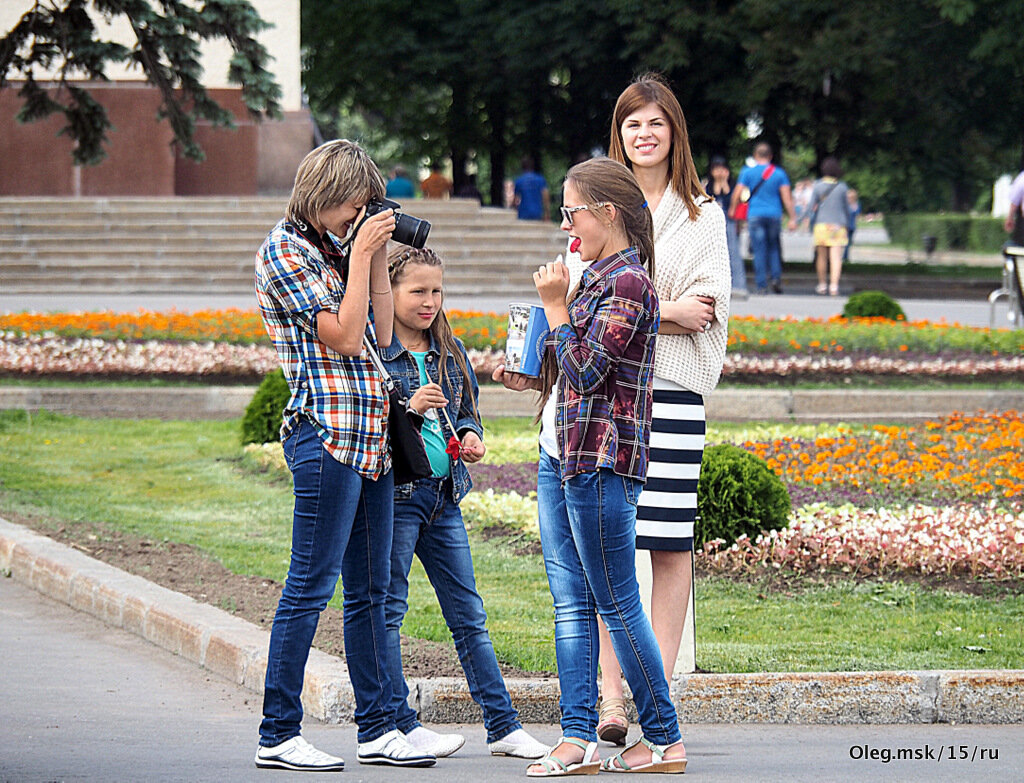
[(82, 700)]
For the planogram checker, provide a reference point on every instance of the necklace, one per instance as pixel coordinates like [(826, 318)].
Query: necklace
[(421, 345)]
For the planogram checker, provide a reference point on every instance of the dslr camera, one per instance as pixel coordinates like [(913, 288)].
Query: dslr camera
[(409, 230)]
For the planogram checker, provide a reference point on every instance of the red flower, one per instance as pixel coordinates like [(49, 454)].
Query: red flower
[(454, 447)]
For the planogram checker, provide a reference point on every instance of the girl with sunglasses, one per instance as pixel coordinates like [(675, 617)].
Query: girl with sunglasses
[(594, 452)]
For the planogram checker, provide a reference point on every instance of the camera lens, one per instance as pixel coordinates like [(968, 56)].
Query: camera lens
[(410, 230)]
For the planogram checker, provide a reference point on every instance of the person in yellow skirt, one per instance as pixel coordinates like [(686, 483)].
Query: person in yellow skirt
[(829, 215)]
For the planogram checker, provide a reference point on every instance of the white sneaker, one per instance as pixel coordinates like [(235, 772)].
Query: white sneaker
[(297, 754), (439, 745), (519, 743), (393, 748)]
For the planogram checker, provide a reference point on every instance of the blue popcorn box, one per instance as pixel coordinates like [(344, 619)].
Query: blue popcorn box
[(527, 330)]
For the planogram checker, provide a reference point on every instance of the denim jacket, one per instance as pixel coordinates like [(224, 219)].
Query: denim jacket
[(402, 368)]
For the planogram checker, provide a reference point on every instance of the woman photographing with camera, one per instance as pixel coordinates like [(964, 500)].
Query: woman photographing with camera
[(318, 297)]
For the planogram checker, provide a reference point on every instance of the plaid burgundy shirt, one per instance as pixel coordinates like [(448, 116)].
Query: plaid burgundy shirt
[(606, 369), (297, 276)]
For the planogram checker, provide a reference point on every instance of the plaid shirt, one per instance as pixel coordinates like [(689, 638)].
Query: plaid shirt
[(605, 360), (343, 396)]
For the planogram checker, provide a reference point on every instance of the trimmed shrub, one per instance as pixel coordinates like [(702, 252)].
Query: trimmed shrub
[(262, 420), (873, 304), (738, 494)]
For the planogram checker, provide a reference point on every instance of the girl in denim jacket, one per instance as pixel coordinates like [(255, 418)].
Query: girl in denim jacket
[(435, 374)]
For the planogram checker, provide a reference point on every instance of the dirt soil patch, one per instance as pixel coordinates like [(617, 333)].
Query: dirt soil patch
[(187, 570)]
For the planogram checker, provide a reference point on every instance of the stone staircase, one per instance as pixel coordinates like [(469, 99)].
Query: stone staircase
[(206, 245)]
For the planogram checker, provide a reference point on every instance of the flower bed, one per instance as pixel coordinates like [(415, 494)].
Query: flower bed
[(230, 326), (233, 344), (487, 332), (956, 540), (49, 356), (946, 497)]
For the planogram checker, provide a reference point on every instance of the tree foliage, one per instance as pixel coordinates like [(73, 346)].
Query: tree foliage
[(61, 35), (925, 95)]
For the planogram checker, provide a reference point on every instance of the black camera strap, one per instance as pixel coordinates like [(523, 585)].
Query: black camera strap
[(336, 256)]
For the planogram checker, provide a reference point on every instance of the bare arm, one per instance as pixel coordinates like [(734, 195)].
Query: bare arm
[(786, 194), (342, 331), (380, 296)]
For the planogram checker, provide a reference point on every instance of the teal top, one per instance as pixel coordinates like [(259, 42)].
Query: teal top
[(433, 437)]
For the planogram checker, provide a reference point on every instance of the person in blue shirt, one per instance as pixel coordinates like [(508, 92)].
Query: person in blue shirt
[(532, 200), (767, 198), (400, 186)]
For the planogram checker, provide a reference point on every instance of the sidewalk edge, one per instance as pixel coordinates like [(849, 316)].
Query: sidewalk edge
[(236, 649)]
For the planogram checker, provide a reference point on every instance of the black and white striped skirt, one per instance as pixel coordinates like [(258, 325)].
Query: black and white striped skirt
[(668, 504)]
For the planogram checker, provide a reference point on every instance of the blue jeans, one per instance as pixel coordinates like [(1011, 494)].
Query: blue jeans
[(764, 244), (587, 532), (430, 524), (739, 271), (341, 525)]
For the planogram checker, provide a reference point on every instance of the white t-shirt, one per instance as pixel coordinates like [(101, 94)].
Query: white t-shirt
[(548, 436)]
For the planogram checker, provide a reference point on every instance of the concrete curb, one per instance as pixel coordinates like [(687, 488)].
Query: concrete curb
[(227, 402), (236, 649)]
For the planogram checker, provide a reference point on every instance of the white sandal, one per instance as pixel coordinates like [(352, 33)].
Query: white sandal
[(658, 762), (555, 767)]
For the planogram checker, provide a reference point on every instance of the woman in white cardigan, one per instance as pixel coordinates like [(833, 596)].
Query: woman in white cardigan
[(693, 280)]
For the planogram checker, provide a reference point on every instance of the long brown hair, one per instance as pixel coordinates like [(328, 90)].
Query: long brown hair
[(399, 259), (603, 180), (652, 88)]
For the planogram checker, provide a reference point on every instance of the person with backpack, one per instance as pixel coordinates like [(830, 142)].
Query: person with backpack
[(764, 193)]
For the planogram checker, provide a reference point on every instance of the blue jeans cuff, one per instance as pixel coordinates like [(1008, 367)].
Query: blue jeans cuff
[(498, 734)]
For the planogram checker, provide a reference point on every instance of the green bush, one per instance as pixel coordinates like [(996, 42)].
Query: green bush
[(262, 420), (738, 493), (952, 232), (873, 304)]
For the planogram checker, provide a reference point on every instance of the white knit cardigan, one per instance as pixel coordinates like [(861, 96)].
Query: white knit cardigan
[(691, 258)]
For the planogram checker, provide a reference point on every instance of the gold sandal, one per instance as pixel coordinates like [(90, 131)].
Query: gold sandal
[(612, 721)]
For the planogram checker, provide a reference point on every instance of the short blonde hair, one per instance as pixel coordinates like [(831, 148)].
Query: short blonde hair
[(330, 175)]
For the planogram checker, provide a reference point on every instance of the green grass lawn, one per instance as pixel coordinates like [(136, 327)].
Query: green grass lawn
[(185, 482)]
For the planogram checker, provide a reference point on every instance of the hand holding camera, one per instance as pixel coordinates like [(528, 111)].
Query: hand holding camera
[(372, 232), (408, 230)]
